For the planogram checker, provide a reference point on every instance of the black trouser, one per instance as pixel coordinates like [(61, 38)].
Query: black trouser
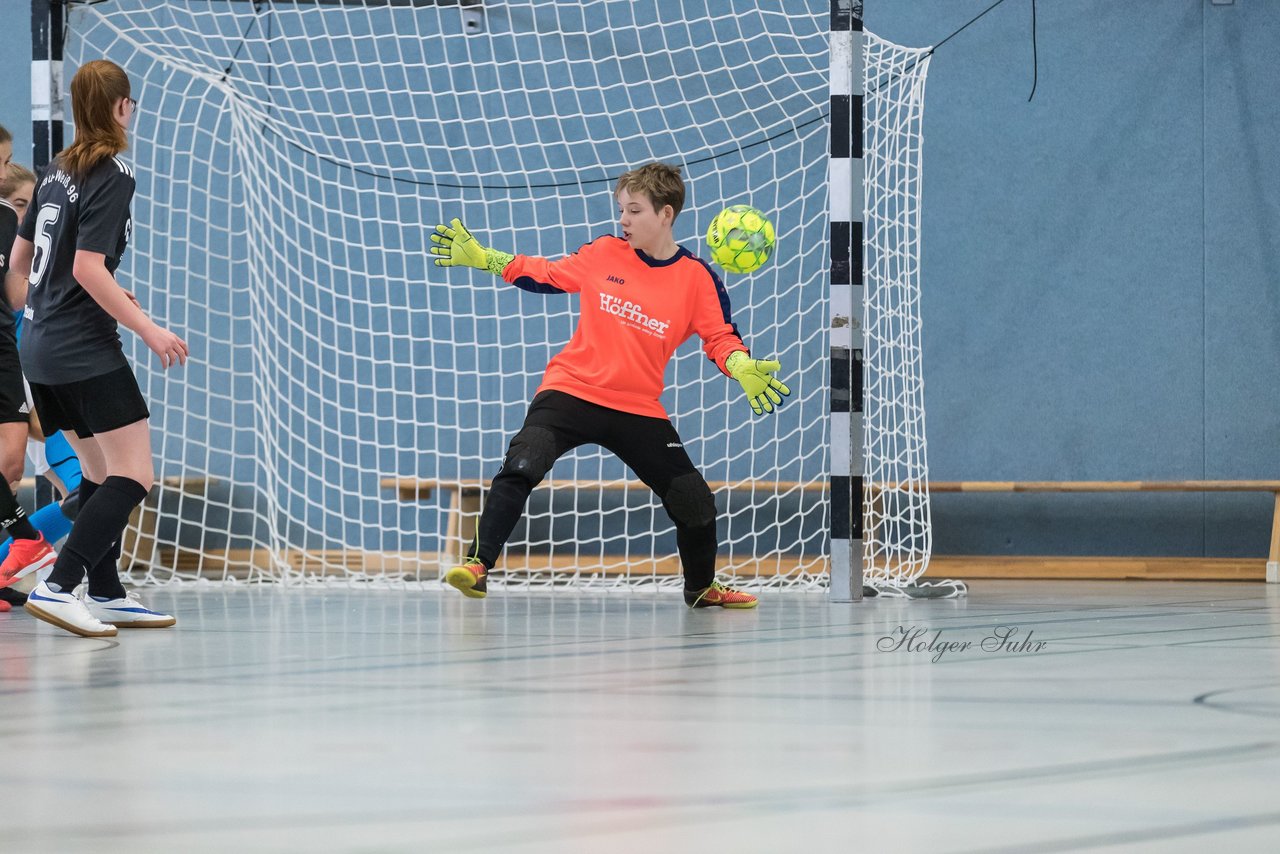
[(557, 423)]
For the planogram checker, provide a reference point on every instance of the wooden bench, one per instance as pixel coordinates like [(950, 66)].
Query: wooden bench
[(465, 499), (139, 546), (1271, 486)]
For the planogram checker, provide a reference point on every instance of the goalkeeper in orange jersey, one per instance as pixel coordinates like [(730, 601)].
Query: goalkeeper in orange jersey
[(642, 296)]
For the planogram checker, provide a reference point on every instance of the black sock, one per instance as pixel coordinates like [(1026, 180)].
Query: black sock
[(84, 491), (97, 528), (75, 498), (13, 518), (104, 577), (23, 530)]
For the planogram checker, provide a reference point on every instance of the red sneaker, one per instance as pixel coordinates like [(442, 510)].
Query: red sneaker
[(26, 556), (471, 578), (718, 595)]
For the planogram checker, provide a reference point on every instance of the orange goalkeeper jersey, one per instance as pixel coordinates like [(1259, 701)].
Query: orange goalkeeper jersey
[(635, 311)]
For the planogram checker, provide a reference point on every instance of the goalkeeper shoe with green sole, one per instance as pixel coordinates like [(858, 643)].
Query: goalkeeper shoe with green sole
[(719, 596), (471, 578)]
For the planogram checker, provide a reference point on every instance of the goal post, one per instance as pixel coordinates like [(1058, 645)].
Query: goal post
[(292, 159), (846, 299), (47, 92)]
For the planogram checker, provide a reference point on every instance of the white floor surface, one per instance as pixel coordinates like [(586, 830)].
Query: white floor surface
[(1119, 716)]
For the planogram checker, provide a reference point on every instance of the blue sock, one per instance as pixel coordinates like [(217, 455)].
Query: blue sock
[(63, 460), (49, 521)]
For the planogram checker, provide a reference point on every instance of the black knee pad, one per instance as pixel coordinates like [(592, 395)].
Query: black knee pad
[(689, 501), (531, 455)]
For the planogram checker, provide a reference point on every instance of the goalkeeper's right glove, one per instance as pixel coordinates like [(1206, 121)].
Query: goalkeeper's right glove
[(456, 247)]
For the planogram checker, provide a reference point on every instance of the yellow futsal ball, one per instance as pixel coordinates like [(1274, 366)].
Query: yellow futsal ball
[(740, 238)]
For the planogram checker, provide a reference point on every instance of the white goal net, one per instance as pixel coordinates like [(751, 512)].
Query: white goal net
[(346, 401), (899, 530)]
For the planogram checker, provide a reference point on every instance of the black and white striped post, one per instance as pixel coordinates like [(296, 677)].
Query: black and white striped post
[(46, 81), (845, 187)]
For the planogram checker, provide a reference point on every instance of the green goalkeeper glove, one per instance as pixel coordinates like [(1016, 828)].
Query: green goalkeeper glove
[(755, 375), (456, 247)]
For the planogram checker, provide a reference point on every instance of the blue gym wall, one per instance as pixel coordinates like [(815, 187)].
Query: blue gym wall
[(1099, 264), (1099, 268), (15, 59)]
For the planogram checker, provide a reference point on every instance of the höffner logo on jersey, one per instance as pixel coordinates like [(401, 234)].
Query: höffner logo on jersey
[(633, 314)]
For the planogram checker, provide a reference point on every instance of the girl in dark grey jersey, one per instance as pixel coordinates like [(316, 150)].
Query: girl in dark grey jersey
[(69, 245)]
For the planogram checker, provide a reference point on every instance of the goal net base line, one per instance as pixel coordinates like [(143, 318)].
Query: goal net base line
[(247, 565)]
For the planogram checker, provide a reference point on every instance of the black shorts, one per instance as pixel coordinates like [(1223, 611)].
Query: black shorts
[(96, 405), (646, 444), (13, 394)]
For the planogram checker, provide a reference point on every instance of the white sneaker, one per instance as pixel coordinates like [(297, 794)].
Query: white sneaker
[(65, 611), (127, 613)]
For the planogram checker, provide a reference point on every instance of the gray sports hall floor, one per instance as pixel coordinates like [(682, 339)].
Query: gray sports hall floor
[(344, 720)]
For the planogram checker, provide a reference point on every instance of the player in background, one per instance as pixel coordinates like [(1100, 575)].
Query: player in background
[(30, 551), (642, 296), (69, 246), (51, 456), (17, 188), (53, 521)]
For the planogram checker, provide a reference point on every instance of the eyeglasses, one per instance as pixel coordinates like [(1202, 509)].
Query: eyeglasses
[(133, 102)]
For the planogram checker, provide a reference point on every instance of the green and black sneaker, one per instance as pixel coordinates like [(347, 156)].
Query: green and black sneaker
[(719, 596), (471, 578)]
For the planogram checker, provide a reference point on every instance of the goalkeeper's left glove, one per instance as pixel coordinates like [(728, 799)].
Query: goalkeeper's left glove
[(757, 380), (456, 247)]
